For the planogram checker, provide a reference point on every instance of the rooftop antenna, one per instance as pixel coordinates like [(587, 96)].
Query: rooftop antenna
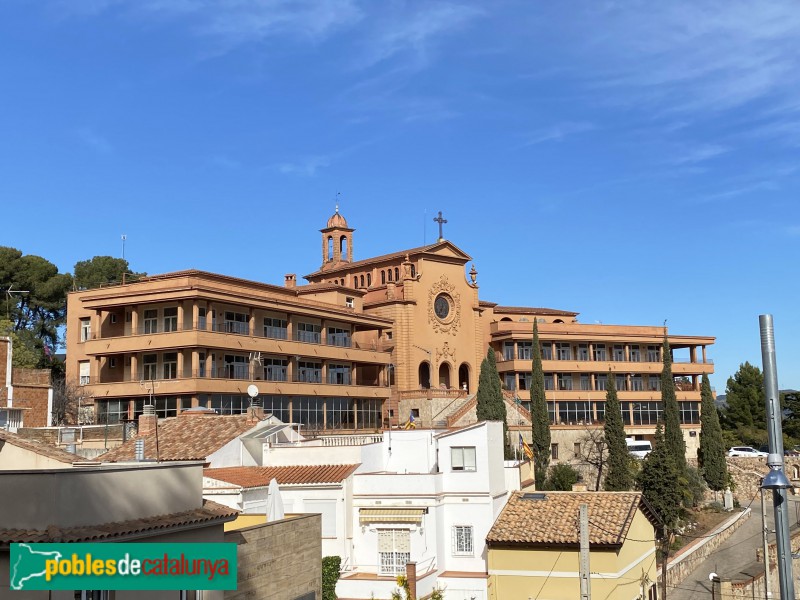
[(124, 237), (337, 201), (10, 291)]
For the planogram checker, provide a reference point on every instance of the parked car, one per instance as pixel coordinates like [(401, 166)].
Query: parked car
[(746, 452)]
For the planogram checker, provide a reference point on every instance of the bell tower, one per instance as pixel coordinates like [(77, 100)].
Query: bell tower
[(337, 240)]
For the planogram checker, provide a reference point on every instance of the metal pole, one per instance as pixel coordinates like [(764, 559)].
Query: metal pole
[(779, 499), (586, 584), (764, 532)]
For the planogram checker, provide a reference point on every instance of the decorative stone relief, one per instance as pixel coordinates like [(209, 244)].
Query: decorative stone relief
[(444, 307)]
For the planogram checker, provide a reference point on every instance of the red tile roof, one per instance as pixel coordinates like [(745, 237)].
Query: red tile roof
[(187, 437), (250, 477), (553, 520), (533, 310), (209, 513), (38, 448)]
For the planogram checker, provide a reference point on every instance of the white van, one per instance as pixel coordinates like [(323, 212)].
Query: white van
[(639, 448)]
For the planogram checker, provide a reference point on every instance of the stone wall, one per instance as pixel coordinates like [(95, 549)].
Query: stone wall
[(281, 559), (754, 587), (689, 557)]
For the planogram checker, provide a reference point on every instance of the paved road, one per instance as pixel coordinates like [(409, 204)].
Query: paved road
[(735, 558)]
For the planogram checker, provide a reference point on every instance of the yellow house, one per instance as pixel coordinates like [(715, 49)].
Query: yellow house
[(534, 547)]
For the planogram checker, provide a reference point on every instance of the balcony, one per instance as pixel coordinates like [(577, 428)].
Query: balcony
[(604, 366)]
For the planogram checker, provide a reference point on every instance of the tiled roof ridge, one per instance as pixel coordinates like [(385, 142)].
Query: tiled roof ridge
[(39, 448), (209, 511), (260, 476), (534, 310)]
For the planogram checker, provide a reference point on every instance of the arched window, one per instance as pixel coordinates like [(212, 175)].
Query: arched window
[(389, 271), (383, 277), (396, 274), (558, 321), (362, 281), (343, 247), (413, 271), (424, 375), (444, 376), (330, 247), (369, 279), (463, 377)]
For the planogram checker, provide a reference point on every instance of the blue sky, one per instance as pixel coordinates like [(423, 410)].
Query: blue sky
[(632, 161)]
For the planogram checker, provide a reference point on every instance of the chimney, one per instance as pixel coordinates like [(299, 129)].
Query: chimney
[(290, 280), (148, 420), (255, 413)]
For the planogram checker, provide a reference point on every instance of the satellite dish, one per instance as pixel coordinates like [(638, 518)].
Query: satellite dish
[(252, 390)]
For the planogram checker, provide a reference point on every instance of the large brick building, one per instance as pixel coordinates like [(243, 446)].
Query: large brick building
[(361, 346), (26, 395)]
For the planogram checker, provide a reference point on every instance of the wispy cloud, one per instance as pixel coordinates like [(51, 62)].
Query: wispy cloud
[(414, 33), (307, 166), (557, 132), (94, 140), (698, 154)]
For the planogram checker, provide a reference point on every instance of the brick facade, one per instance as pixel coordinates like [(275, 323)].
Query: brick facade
[(31, 389)]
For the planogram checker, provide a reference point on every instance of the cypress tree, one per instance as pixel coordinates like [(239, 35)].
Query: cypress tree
[(659, 480), (673, 436), (619, 477), (540, 420), (490, 403), (712, 451)]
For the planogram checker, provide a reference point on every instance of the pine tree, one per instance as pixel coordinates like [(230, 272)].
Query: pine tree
[(490, 403), (540, 420), (619, 477), (712, 451), (659, 480), (744, 396), (673, 436)]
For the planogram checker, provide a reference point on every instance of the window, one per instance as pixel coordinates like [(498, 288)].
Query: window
[(369, 279), (637, 384), (548, 381), (236, 323), (202, 323), (563, 352), (86, 329), (309, 372), (236, 367), (554, 451), (653, 355), (635, 353), (389, 274), (600, 381), (510, 381), (339, 374), (586, 383), (111, 411), (275, 328), (171, 319), (644, 413), (166, 406), (396, 274), (383, 277), (151, 321), (654, 383), (229, 405), (308, 332), (170, 365), (350, 302), (462, 540), (149, 366), (547, 352), (583, 351), (564, 381), (394, 551), (574, 412), (599, 352), (463, 458), (274, 369), (621, 382), (413, 271), (338, 337), (619, 352), (525, 381), (113, 318), (339, 413), (84, 372), (576, 449), (689, 412), (524, 350), (508, 350), (112, 363)]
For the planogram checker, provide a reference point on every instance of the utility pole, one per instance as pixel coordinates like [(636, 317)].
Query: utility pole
[(585, 576), (764, 532), (776, 479)]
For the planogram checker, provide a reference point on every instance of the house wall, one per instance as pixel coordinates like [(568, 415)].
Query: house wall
[(282, 559), (33, 391), (553, 573), (15, 458)]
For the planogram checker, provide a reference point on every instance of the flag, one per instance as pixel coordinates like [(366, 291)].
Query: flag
[(526, 449), (410, 423), (411, 417)]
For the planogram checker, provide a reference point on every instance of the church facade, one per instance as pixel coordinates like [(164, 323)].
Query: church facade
[(363, 345)]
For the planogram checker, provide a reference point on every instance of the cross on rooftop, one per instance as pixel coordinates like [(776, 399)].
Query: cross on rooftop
[(441, 222)]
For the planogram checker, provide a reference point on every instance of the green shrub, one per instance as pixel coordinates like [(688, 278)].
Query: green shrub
[(330, 575)]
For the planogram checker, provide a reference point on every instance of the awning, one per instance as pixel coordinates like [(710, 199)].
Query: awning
[(391, 515)]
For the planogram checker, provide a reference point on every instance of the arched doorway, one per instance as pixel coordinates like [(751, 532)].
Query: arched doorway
[(424, 375), (444, 376), (463, 377)]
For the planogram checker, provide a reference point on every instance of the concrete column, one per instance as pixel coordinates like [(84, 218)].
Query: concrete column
[(252, 318), (195, 314), (693, 354), (95, 325), (324, 371), (323, 337), (591, 352), (704, 354), (181, 374), (134, 376), (134, 320), (626, 350), (291, 368), (209, 320), (353, 374), (289, 327), (94, 370), (180, 327)]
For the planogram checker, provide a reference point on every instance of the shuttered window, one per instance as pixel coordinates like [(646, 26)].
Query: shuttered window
[(394, 550)]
